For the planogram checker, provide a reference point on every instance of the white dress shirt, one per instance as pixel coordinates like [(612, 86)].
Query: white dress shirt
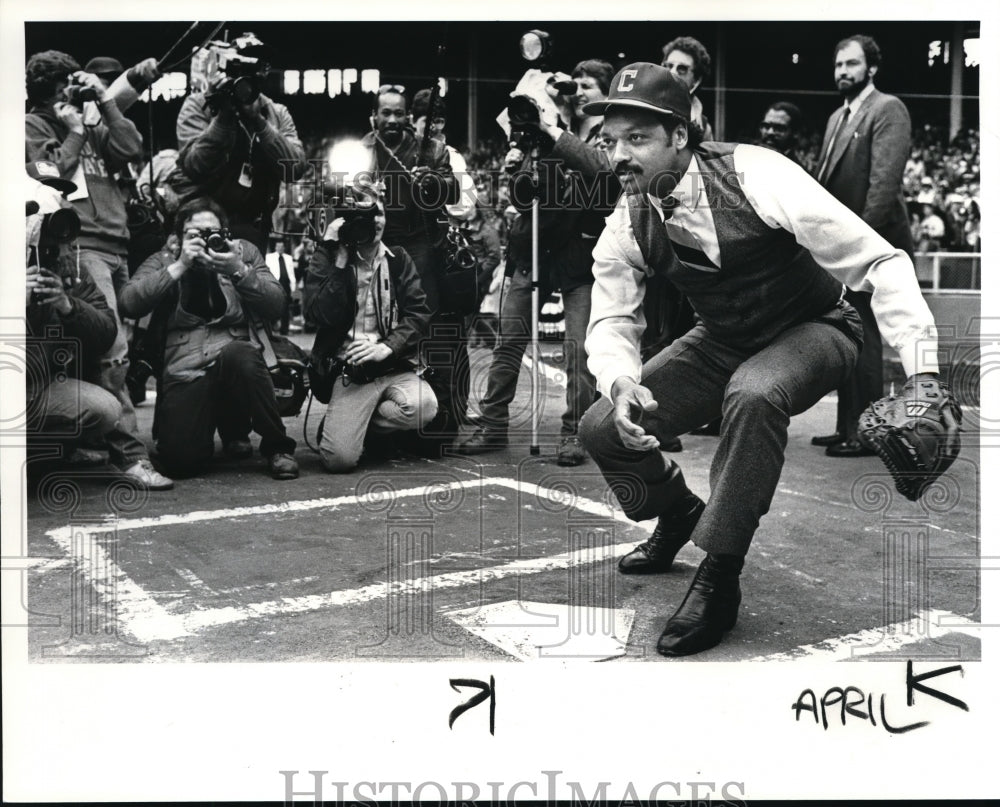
[(784, 196)]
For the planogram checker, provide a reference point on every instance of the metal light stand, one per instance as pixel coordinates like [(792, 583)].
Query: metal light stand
[(535, 404)]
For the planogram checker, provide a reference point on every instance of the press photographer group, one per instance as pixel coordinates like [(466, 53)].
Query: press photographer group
[(189, 289)]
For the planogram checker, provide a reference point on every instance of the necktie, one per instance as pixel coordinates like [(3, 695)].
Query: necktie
[(833, 142), (667, 205), (283, 278)]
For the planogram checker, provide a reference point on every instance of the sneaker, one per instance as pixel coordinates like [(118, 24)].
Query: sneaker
[(571, 452), (283, 466), (238, 449), (143, 473)]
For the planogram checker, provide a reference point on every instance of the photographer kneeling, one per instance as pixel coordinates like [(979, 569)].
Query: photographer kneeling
[(214, 376), (371, 313)]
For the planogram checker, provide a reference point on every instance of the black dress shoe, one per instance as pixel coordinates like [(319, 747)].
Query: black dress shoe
[(671, 445), (709, 609), (849, 448), (828, 439), (481, 441), (673, 530)]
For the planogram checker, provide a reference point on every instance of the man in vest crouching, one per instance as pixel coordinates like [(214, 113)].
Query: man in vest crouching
[(762, 252)]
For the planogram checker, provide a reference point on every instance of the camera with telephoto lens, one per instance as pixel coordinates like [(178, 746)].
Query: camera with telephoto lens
[(358, 208), (525, 131), (77, 94)]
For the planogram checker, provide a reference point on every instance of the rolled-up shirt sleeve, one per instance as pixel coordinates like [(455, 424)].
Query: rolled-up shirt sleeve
[(616, 316), (785, 196)]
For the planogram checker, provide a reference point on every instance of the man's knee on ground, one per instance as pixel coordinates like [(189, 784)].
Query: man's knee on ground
[(338, 462)]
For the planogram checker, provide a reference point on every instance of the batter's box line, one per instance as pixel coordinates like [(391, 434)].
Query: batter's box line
[(140, 615), (883, 639)]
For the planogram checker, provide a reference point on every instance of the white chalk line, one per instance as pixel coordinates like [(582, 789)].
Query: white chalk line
[(885, 639), (147, 620)]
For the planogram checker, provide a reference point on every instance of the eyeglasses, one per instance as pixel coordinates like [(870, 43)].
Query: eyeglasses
[(774, 127), (391, 88)]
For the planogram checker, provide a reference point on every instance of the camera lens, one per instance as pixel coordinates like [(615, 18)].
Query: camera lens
[(217, 243)]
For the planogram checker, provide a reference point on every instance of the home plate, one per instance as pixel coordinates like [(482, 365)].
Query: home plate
[(538, 631)]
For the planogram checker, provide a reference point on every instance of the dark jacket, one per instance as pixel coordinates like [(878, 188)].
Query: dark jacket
[(405, 216), (576, 190), (213, 151), (100, 152), (330, 300), (865, 170), (71, 344), (204, 312)]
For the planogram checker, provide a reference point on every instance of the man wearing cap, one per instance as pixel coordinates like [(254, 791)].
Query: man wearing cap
[(124, 86), (89, 155), (863, 156), (761, 251)]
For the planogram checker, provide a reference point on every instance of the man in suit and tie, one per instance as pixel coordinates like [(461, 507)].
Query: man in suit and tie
[(281, 266), (864, 151)]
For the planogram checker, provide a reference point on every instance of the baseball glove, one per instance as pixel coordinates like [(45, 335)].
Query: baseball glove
[(916, 434)]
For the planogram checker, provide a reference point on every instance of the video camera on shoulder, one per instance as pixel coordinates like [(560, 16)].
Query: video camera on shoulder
[(231, 72)]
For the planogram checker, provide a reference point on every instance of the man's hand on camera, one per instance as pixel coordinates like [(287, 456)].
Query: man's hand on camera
[(49, 290), (192, 251), (226, 263), (362, 351), (630, 401), (94, 83), (71, 117), (31, 283), (513, 159)]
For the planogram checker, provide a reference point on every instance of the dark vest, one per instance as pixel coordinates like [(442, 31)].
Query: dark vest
[(767, 282)]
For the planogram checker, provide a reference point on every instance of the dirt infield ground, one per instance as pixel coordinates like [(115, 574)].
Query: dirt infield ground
[(500, 557)]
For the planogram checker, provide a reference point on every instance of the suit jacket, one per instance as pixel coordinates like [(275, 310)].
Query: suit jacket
[(865, 170)]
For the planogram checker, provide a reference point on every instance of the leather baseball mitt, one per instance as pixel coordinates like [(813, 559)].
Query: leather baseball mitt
[(916, 434)]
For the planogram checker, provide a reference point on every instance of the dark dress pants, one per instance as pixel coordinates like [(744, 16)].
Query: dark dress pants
[(696, 379), (865, 383)]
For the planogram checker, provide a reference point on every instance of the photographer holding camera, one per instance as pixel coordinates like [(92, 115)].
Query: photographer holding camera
[(237, 145), (371, 311), (207, 287), (573, 177), (88, 153), (419, 181), (68, 325)]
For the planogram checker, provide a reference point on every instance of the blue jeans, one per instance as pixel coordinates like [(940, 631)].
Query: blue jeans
[(696, 379), (515, 335), (109, 273)]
